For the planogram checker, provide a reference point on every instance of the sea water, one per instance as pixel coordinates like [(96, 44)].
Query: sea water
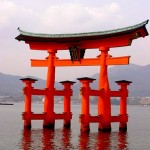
[(14, 137)]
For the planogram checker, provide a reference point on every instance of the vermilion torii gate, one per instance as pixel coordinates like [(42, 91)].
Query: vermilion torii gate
[(77, 44)]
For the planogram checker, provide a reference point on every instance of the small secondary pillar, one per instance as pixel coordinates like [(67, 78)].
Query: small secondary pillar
[(67, 99), (85, 112), (27, 90), (123, 104)]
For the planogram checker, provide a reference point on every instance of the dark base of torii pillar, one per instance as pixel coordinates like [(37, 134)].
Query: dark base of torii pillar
[(49, 126), (67, 125), (85, 128), (104, 129), (27, 125), (123, 128)]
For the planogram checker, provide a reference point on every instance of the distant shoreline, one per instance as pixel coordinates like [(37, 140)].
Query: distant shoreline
[(6, 104)]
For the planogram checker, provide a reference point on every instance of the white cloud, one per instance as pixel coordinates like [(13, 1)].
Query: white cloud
[(78, 18), (65, 17), (7, 11)]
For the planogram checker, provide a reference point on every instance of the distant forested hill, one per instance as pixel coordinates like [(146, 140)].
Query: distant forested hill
[(139, 75)]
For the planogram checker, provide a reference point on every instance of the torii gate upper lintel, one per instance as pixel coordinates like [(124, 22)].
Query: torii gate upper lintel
[(77, 44)]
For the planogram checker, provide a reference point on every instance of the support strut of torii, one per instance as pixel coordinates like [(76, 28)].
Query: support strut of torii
[(77, 44)]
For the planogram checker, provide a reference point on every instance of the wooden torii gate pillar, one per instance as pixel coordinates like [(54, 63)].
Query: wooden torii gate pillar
[(77, 44), (28, 115), (104, 104), (103, 118), (123, 104), (49, 120), (28, 98)]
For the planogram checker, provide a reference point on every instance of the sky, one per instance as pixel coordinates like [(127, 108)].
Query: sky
[(65, 16)]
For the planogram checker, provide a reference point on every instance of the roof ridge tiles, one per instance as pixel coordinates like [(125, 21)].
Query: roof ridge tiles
[(84, 33), (99, 34)]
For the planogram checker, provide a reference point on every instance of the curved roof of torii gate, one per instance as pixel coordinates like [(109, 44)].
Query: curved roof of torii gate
[(133, 32)]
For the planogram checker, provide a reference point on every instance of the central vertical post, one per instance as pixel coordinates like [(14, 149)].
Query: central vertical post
[(49, 121), (104, 106)]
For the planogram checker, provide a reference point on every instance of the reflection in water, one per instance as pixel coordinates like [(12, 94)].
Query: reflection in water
[(122, 140), (103, 140), (26, 139), (31, 139), (84, 140), (64, 139), (48, 139)]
